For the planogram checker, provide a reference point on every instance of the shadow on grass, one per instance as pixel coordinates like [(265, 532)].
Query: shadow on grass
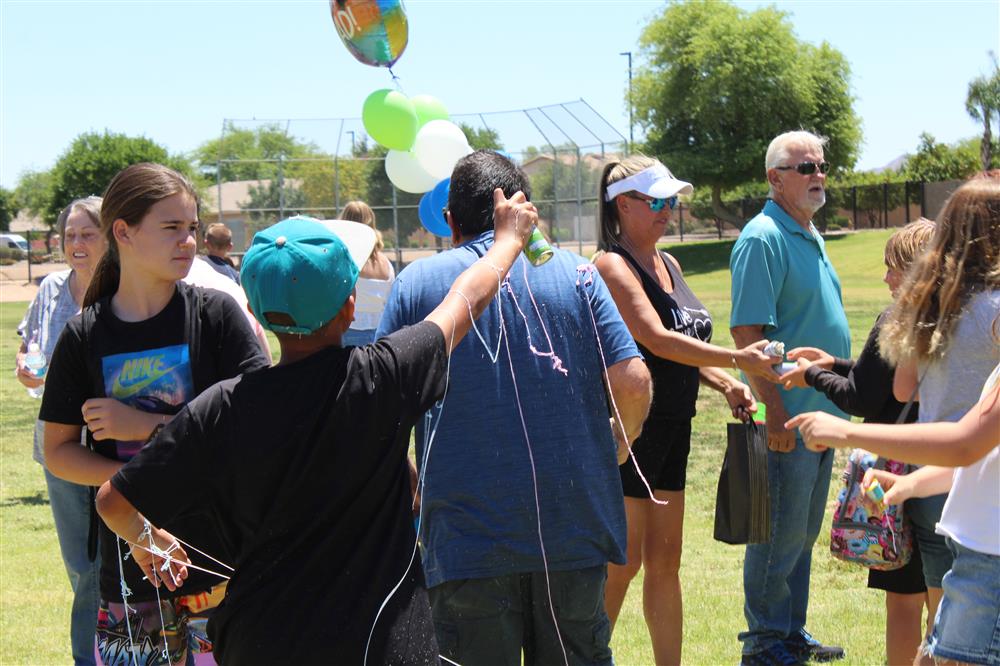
[(38, 499), (709, 256)]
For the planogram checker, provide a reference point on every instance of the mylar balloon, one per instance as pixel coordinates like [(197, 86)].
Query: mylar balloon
[(390, 119), (405, 172), (428, 108), (374, 31), (439, 144), (433, 218)]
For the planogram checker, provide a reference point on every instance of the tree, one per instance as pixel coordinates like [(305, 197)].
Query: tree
[(935, 161), (255, 153), (34, 192), (719, 83), (983, 104), (8, 208), (271, 201), (93, 159), (482, 139)]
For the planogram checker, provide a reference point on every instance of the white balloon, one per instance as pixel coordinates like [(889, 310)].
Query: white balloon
[(438, 146), (405, 172)]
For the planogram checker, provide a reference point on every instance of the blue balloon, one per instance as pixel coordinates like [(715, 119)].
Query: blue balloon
[(439, 195), (432, 217)]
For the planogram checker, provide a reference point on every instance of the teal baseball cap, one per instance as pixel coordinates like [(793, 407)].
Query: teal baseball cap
[(304, 268)]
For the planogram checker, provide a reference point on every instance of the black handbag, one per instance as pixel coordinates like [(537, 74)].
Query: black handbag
[(743, 502)]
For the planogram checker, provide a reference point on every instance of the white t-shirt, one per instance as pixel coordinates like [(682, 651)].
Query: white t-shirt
[(369, 301), (971, 514)]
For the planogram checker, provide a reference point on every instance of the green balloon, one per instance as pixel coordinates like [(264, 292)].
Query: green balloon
[(390, 119), (428, 108)]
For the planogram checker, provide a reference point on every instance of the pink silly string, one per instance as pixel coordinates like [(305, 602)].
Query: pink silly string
[(557, 363), (588, 270)]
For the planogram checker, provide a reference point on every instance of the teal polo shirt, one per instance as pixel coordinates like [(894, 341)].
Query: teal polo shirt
[(783, 281)]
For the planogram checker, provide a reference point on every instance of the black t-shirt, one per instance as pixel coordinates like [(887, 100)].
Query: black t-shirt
[(304, 466), (156, 365), (675, 385)]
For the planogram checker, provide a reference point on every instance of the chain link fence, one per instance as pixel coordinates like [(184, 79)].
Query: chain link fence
[(562, 148)]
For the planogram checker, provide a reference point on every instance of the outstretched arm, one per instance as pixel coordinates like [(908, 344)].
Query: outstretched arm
[(945, 444), (645, 326), (123, 519), (736, 393), (778, 439), (471, 292)]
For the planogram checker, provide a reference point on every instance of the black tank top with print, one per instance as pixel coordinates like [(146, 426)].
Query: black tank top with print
[(675, 386)]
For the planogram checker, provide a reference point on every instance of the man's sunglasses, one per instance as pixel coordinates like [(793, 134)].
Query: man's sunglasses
[(807, 168), (656, 205)]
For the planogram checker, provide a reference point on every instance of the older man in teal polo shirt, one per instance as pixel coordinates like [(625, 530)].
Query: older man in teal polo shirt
[(784, 288)]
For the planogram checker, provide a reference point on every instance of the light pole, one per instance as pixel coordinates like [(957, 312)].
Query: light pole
[(631, 137), (352, 140)]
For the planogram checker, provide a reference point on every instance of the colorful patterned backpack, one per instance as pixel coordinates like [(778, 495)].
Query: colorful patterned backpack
[(865, 531)]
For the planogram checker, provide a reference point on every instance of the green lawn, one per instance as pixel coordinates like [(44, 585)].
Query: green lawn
[(35, 598)]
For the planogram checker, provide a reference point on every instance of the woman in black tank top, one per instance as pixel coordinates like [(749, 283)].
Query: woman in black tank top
[(673, 330)]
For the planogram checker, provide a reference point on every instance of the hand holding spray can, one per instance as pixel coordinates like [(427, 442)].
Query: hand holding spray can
[(537, 249)]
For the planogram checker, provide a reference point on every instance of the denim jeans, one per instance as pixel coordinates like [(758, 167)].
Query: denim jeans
[(776, 574), (70, 504), (924, 514), (489, 620), (967, 628)]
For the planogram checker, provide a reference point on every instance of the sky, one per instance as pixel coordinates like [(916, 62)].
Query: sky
[(174, 71)]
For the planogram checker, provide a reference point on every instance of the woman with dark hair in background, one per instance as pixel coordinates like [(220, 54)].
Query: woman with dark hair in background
[(144, 346), (59, 298), (673, 330), (374, 281)]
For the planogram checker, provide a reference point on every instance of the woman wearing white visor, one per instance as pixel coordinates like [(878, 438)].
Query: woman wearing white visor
[(673, 330)]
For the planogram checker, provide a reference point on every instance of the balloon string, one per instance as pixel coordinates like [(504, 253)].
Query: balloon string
[(395, 80)]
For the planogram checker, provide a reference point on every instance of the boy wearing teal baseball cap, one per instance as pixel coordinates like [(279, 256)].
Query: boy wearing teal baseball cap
[(303, 465)]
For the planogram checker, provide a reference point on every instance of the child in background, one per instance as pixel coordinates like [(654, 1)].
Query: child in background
[(864, 388)]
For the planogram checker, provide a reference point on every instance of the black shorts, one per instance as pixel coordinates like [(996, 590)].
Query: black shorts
[(908, 579), (662, 453)]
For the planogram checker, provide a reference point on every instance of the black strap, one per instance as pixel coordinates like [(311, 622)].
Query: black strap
[(87, 321), (881, 462)]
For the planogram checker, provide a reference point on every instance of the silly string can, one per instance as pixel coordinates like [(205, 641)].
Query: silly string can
[(537, 249)]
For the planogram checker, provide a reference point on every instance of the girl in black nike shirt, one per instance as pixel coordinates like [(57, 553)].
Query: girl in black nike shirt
[(144, 345)]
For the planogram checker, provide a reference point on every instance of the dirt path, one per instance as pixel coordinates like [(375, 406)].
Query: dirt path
[(14, 284)]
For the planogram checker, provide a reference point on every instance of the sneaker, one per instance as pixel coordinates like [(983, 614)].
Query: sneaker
[(806, 648), (773, 655)]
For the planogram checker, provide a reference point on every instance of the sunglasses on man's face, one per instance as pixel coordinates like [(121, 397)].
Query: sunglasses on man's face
[(656, 205), (807, 168)]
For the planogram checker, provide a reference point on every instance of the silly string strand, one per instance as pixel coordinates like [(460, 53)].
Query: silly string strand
[(588, 270), (126, 593), (420, 481), (147, 532)]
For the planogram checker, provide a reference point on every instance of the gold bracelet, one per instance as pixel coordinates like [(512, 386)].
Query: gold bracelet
[(732, 356)]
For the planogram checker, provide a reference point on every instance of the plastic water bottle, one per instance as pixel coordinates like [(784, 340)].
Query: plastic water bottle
[(35, 361)]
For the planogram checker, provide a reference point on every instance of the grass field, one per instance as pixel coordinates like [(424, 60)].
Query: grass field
[(35, 596)]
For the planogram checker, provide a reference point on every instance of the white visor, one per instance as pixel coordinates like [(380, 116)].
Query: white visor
[(655, 181)]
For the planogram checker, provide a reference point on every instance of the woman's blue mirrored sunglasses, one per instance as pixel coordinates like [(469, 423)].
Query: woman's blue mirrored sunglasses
[(656, 205)]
